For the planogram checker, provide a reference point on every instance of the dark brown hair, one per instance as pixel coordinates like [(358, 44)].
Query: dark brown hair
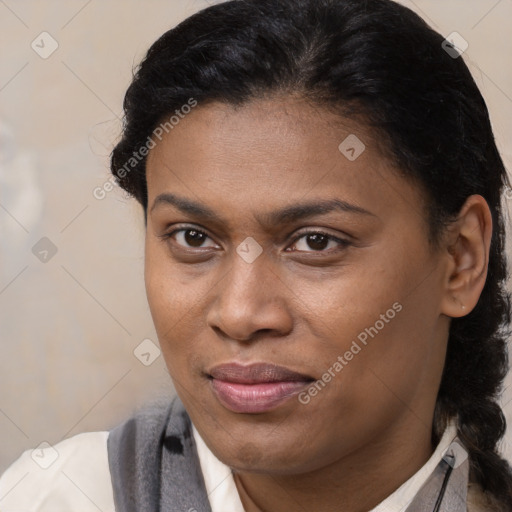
[(379, 59)]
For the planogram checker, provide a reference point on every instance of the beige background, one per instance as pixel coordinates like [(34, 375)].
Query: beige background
[(69, 326)]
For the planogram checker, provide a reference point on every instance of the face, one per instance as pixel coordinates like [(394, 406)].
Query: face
[(292, 286)]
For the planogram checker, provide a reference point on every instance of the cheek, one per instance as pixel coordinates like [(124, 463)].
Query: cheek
[(176, 298), (169, 291), (169, 299), (344, 304), (389, 354), (376, 318)]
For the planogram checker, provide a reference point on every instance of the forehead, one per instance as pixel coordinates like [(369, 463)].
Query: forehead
[(274, 129), (271, 152)]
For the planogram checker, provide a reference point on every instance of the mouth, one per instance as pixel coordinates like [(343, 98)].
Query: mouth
[(255, 388)]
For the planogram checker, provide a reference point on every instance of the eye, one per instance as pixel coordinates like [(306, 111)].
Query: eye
[(318, 241), (190, 238)]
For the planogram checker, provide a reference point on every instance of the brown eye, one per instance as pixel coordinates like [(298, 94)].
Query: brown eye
[(190, 238), (318, 242), (193, 237)]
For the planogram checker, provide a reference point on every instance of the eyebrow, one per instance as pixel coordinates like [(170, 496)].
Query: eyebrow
[(285, 215)]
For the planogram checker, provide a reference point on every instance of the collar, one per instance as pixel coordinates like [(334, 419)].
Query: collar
[(404, 495), (218, 479), (159, 462), (417, 493)]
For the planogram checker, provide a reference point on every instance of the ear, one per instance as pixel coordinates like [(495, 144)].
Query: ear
[(466, 247)]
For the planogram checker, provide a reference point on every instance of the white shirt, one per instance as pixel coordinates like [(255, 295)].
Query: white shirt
[(71, 476), (74, 475), (224, 497)]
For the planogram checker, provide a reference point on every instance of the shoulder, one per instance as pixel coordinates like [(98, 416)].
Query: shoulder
[(72, 475), (479, 501), (75, 475), (145, 430)]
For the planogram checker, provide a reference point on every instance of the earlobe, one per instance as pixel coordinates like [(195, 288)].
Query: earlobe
[(467, 253)]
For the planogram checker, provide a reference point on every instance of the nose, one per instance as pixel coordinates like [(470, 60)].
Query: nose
[(251, 302)]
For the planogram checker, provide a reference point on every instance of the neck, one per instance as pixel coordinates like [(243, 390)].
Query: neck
[(355, 483)]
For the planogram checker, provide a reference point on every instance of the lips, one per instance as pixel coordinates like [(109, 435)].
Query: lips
[(255, 388)]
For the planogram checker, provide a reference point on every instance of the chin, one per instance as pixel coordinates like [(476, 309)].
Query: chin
[(247, 452)]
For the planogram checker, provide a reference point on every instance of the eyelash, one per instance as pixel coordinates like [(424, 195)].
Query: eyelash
[(341, 242)]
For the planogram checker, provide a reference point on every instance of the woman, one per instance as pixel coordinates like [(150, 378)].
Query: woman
[(325, 269)]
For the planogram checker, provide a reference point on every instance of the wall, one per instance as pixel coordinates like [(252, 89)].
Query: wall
[(73, 310)]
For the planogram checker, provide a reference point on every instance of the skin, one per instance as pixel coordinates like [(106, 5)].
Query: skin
[(301, 305)]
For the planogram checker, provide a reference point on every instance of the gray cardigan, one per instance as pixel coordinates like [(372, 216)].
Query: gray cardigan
[(155, 467)]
